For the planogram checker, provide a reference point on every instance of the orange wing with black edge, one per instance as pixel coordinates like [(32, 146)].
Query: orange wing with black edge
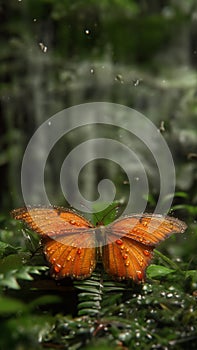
[(130, 243), (67, 237)]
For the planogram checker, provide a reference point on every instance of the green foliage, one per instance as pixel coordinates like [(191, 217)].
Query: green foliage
[(9, 279), (140, 316), (24, 331), (6, 249), (156, 271)]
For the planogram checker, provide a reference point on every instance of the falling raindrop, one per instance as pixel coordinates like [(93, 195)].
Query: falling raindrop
[(119, 78), (136, 82), (162, 126), (43, 47)]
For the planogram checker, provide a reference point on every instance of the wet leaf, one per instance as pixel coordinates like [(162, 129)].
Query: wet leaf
[(158, 271)]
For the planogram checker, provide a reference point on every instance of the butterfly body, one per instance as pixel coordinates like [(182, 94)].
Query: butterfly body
[(72, 245)]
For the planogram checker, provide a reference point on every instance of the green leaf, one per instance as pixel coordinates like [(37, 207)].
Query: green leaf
[(10, 262), (10, 305), (181, 194), (9, 278), (35, 269), (107, 215), (90, 312), (157, 271), (9, 281), (6, 249), (192, 209), (192, 274), (24, 275), (87, 296), (88, 304)]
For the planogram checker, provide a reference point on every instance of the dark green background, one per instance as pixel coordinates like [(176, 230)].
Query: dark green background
[(152, 43)]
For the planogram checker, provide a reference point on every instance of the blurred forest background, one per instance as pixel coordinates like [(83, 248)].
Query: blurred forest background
[(56, 54)]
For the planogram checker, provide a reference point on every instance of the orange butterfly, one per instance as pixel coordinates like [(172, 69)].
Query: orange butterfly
[(72, 245)]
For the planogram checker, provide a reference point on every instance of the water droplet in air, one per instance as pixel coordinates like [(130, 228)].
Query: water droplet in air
[(43, 47), (162, 127), (136, 82), (119, 78)]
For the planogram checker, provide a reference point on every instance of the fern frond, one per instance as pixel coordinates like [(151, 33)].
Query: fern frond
[(10, 278), (91, 296)]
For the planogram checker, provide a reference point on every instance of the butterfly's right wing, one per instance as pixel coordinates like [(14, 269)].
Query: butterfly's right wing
[(68, 239), (130, 243)]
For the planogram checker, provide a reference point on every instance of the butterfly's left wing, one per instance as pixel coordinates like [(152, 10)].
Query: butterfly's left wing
[(130, 243), (68, 239)]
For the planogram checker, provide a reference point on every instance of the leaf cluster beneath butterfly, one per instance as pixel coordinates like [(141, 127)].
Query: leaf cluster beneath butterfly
[(73, 245)]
